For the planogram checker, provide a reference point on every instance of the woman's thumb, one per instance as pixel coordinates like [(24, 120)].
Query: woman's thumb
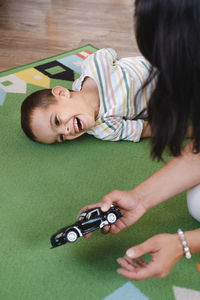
[(139, 250)]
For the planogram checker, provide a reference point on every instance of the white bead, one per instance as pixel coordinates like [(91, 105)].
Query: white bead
[(184, 243), (188, 255)]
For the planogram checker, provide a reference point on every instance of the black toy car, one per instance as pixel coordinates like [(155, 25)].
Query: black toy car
[(88, 221)]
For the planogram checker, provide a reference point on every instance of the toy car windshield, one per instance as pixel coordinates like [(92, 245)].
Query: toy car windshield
[(82, 216)]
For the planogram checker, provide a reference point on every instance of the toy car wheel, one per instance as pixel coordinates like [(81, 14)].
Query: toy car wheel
[(72, 236), (111, 218)]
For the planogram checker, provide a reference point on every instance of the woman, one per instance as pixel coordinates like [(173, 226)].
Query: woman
[(167, 32)]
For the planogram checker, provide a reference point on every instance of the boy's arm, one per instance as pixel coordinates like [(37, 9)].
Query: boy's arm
[(116, 129), (189, 133), (146, 132)]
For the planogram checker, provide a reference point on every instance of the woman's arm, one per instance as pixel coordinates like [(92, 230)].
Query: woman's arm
[(193, 240), (146, 132), (181, 173)]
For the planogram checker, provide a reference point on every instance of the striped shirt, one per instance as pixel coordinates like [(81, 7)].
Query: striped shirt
[(122, 109)]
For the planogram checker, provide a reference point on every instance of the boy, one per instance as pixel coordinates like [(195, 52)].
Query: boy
[(107, 101)]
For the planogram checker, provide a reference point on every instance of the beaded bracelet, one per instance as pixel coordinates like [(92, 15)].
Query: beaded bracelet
[(185, 246)]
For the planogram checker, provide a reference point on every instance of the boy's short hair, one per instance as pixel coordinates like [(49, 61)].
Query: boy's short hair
[(42, 99)]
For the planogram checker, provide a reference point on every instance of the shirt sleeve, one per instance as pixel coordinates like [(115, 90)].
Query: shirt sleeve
[(94, 66), (91, 63), (116, 129), (108, 53)]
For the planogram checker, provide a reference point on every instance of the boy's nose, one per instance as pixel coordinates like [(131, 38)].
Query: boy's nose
[(66, 130)]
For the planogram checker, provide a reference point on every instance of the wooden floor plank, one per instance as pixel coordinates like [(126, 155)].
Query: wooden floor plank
[(32, 30)]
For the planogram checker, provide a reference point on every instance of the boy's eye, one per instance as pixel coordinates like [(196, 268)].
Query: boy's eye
[(57, 121), (61, 138)]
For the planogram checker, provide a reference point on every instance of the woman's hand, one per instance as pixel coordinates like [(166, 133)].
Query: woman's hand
[(129, 204), (165, 250)]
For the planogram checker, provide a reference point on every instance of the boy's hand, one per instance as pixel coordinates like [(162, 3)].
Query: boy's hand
[(129, 204), (189, 133), (146, 132)]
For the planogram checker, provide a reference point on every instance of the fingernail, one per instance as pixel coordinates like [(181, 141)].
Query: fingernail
[(118, 260), (119, 271), (104, 207), (130, 253), (128, 259), (106, 229)]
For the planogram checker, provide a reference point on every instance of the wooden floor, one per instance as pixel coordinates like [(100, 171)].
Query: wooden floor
[(34, 29)]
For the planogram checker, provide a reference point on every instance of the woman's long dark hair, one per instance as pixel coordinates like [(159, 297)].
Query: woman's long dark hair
[(168, 35)]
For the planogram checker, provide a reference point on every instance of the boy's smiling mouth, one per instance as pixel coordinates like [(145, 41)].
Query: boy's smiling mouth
[(78, 125)]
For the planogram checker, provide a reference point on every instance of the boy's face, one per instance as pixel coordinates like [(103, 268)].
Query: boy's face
[(67, 119)]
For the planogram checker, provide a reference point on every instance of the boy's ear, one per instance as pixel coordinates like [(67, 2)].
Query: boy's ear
[(60, 91)]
